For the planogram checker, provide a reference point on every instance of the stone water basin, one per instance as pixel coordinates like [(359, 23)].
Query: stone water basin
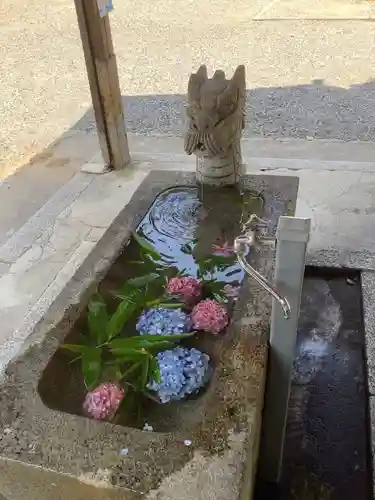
[(203, 447)]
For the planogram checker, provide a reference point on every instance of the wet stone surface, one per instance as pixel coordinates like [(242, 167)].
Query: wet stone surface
[(326, 450)]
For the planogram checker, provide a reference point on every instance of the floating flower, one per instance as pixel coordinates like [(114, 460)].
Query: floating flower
[(209, 316), (182, 372), (161, 321), (224, 250), (231, 291), (103, 402), (189, 289)]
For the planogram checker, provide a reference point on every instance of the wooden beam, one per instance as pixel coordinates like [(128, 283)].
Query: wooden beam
[(103, 78)]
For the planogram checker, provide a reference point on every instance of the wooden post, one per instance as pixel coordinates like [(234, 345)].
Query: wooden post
[(103, 78)]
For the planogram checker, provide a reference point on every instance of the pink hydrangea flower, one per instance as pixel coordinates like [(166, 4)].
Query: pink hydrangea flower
[(189, 289), (231, 291), (103, 402), (223, 250), (209, 316)]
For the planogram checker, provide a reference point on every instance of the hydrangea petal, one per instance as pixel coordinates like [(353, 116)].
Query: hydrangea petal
[(103, 402), (188, 288), (209, 316), (161, 321), (183, 372)]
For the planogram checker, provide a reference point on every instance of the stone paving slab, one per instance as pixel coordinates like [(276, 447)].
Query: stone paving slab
[(55, 486), (41, 179), (263, 153), (33, 229)]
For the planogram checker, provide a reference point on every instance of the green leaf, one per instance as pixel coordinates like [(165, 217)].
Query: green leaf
[(131, 370), (147, 261), (143, 344), (171, 305), (171, 272), (119, 295), (125, 358), (126, 406), (146, 246), (123, 312), (130, 352), (215, 263), (141, 349), (223, 259), (79, 349), (157, 338), (232, 273), (155, 370), (187, 249), (126, 292), (143, 280), (140, 340), (91, 367), (183, 272), (98, 320), (151, 396), (214, 286), (144, 375), (153, 303), (112, 371), (163, 345), (77, 358), (220, 297), (168, 304)]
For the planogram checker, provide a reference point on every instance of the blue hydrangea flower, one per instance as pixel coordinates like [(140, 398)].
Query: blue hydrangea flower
[(160, 321), (182, 371)]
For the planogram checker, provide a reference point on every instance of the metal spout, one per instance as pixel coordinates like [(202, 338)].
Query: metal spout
[(241, 247)]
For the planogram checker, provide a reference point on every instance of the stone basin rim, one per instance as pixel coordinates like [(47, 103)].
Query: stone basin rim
[(77, 438)]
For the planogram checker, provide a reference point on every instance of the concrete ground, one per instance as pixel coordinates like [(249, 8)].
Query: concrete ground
[(311, 108), (309, 67), (43, 250)]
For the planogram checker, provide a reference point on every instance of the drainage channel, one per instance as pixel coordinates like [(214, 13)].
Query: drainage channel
[(327, 448)]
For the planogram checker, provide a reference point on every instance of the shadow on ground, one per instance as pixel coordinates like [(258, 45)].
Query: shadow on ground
[(302, 111)]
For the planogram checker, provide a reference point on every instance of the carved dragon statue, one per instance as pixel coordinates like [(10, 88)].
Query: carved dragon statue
[(216, 119)]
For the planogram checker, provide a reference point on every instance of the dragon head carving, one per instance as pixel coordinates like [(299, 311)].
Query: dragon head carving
[(215, 112)]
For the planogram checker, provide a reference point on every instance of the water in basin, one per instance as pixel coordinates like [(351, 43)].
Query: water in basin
[(178, 217)]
